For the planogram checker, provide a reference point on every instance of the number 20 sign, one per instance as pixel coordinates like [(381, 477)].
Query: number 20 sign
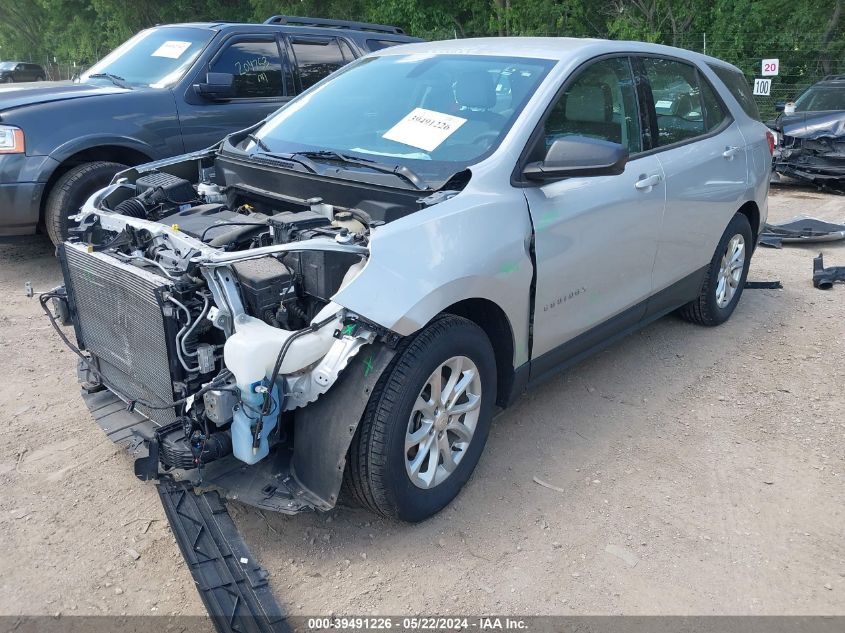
[(770, 67)]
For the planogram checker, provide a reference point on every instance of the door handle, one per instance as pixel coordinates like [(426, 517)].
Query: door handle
[(730, 152), (647, 182)]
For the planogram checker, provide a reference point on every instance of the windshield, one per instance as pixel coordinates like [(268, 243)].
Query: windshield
[(157, 57), (434, 114), (821, 98), (8, 65)]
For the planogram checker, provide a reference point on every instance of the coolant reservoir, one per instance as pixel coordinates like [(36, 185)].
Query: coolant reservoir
[(250, 353)]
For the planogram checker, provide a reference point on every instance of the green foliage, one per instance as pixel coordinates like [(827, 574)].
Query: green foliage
[(809, 37)]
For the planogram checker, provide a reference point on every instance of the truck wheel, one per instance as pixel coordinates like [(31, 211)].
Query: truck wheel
[(426, 422), (725, 276), (71, 191)]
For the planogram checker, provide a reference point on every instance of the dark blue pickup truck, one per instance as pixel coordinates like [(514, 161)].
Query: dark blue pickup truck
[(167, 91)]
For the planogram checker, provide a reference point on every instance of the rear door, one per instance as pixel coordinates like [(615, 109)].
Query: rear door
[(703, 155), (595, 237), (263, 83)]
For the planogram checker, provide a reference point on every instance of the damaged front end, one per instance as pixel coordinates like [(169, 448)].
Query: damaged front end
[(812, 148), (208, 339)]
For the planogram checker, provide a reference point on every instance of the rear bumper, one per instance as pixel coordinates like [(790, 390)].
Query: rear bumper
[(22, 183)]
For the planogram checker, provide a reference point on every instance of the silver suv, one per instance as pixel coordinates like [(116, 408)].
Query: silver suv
[(348, 291)]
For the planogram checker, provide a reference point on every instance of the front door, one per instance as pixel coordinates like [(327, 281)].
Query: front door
[(595, 237), (262, 85)]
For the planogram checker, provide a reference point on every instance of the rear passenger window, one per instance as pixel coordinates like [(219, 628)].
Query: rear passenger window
[(714, 111), (256, 65), (677, 100), (316, 58), (737, 85), (601, 103)]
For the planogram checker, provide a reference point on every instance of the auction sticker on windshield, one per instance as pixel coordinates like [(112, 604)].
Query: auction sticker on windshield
[(172, 49), (425, 129)]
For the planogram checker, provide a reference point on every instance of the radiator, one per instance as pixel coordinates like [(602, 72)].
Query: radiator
[(118, 318)]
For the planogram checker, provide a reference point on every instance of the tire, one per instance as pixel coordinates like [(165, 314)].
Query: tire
[(10, 80), (378, 469), (71, 191), (713, 306)]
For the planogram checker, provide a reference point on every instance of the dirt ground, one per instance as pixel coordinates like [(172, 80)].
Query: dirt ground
[(701, 469)]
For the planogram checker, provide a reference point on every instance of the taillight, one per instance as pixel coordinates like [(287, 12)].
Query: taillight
[(771, 138)]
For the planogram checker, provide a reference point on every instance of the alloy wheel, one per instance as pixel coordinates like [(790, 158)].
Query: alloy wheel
[(442, 422), (730, 270)]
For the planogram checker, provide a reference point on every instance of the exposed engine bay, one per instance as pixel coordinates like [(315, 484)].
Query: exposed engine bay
[(207, 307)]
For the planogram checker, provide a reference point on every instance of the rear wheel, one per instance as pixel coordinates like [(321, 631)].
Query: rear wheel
[(71, 191), (725, 276), (426, 423)]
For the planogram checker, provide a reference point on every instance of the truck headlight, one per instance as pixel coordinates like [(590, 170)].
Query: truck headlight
[(11, 140)]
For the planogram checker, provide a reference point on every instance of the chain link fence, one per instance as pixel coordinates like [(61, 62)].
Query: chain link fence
[(800, 65)]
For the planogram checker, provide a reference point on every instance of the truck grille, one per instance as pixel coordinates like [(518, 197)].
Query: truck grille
[(118, 318)]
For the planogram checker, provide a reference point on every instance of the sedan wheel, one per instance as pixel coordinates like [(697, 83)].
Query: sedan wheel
[(426, 422), (724, 277), (443, 422), (730, 270)]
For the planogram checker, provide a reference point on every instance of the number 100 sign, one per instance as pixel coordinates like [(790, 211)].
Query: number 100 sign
[(762, 87)]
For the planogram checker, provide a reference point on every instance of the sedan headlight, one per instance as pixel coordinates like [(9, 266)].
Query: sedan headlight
[(11, 140)]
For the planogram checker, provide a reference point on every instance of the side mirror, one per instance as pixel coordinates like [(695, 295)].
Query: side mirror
[(780, 106), (217, 87), (578, 156)]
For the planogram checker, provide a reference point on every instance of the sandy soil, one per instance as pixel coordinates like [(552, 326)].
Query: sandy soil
[(702, 472)]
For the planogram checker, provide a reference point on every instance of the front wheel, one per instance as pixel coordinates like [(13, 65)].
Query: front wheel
[(71, 191), (725, 277), (426, 423)]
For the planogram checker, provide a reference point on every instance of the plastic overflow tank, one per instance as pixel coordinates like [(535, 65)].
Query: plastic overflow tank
[(250, 354)]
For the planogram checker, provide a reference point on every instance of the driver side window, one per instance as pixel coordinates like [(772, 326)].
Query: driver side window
[(256, 66), (601, 103)]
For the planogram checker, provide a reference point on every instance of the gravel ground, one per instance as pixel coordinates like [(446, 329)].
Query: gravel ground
[(701, 473)]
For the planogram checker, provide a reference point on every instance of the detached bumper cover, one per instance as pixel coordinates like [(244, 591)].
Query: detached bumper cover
[(230, 582)]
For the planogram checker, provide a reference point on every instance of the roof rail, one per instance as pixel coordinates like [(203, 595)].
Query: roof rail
[(834, 78), (333, 24)]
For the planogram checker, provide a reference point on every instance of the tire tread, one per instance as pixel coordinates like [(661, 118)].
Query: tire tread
[(57, 199), (366, 471)]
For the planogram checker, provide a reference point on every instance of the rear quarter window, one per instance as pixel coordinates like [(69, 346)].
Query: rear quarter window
[(737, 85)]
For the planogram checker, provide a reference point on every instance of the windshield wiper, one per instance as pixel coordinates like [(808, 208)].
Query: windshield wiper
[(261, 144), (117, 80), (406, 173), (287, 158)]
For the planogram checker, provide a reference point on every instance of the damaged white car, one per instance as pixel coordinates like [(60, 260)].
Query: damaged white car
[(348, 291)]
